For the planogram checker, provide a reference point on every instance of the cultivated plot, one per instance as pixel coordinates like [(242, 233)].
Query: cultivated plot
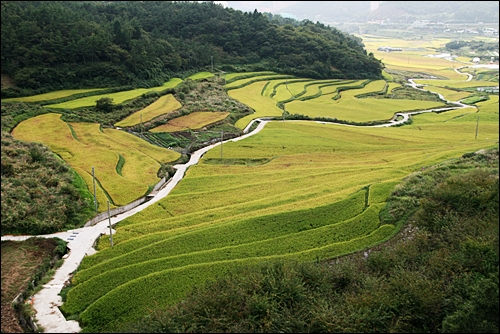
[(201, 75), (51, 95), (124, 165), (118, 97), (194, 121), (162, 106), (350, 108)]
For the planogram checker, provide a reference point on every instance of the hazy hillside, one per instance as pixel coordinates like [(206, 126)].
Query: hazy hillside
[(329, 12)]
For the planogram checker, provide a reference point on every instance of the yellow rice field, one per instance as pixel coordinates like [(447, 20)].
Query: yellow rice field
[(456, 84), (351, 108), (224, 214), (251, 79), (448, 94), (201, 75), (51, 95), (118, 97), (101, 150), (250, 95), (163, 105), (194, 121)]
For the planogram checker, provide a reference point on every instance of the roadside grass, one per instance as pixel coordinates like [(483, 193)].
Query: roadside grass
[(195, 120), (118, 97), (163, 105), (51, 95)]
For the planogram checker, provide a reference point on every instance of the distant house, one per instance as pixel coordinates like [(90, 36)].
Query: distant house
[(388, 49), (476, 60), (489, 31), (488, 89)]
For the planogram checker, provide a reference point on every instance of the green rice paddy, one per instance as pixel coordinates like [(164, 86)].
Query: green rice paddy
[(51, 95), (118, 97)]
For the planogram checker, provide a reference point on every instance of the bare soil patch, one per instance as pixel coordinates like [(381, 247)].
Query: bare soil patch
[(20, 261), (6, 81)]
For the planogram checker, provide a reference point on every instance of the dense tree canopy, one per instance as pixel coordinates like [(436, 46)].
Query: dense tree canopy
[(62, 44)]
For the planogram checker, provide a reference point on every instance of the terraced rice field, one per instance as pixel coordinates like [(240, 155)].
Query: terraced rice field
[(51, 95), (118, 97), (313, 191), (256, 78), (350, 108), (448, 94), (322, 99), (194, 121), (162, 106), (456, 84), (298, 190), (201, 75), (124, 165)]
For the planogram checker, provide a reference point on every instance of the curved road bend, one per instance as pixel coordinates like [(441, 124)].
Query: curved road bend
[(81, 240)]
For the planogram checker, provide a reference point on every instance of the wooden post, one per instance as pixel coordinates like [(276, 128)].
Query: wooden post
[(110, 229), (95, 199), (477, 126), (221, 140)]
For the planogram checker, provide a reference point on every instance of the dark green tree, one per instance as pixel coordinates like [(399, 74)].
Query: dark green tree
[(104, 104)]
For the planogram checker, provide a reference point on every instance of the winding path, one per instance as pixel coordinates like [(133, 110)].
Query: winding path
[(80, 241)]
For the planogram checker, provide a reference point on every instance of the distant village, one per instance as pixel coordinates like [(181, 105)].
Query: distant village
[(389, 49), (436, 27)]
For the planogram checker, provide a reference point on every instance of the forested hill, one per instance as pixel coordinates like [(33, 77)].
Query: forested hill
[(65, 44)]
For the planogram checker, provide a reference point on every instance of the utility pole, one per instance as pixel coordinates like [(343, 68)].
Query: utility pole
[(141, 124), (212, 62), (110, 230), (477, 126), (221, 140), (95, 199)]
